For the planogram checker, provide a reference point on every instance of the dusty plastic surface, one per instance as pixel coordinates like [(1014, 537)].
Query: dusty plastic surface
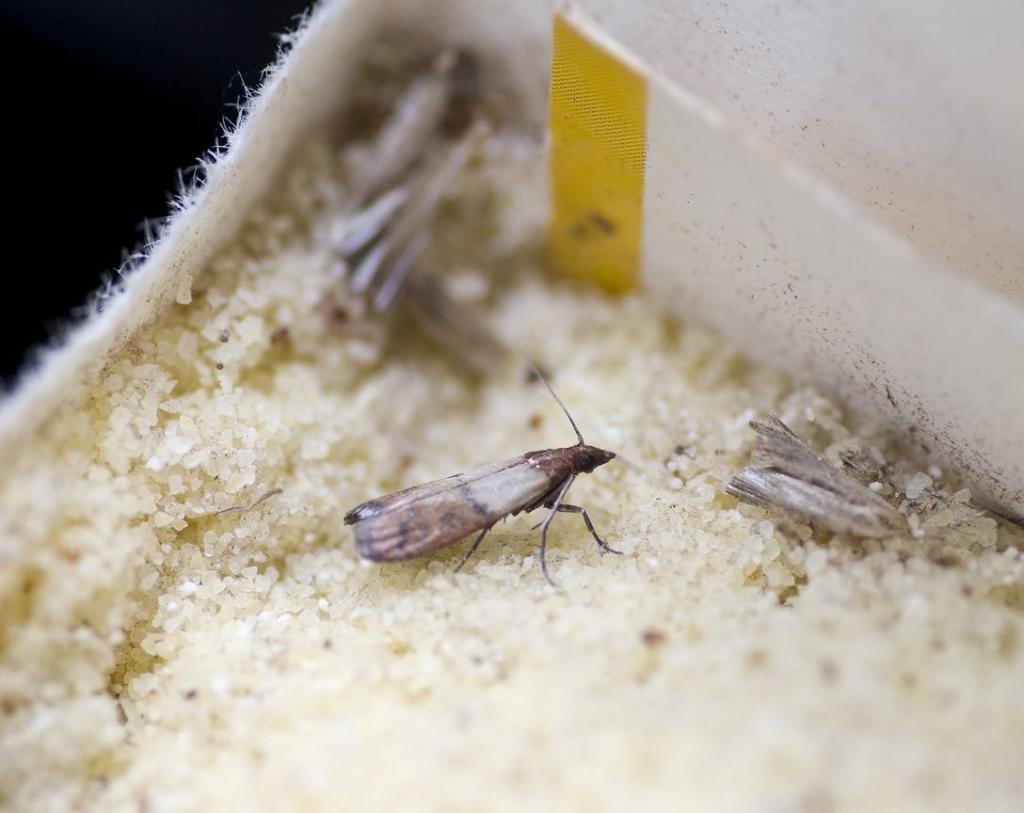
[(909, 111)]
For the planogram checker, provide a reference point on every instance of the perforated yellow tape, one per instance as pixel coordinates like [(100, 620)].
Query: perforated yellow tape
[(598, 137)]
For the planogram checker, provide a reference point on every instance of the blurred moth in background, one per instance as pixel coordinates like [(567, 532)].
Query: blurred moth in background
[(412, 168), (425, 518)]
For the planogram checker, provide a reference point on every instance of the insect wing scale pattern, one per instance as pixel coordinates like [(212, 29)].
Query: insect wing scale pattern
[(421, 519)]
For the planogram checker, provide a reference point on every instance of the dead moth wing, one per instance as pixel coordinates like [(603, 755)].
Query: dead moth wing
[(848, 513), (781, 449), (423, 518), (784, 472)]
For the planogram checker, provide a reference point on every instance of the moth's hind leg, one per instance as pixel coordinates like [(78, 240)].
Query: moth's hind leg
[(472, 550), (576, 509)]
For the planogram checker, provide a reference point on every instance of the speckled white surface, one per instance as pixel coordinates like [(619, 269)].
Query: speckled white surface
[(905, 111)]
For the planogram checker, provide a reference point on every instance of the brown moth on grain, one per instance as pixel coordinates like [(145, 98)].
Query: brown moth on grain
[(425, 518), (786, 474)]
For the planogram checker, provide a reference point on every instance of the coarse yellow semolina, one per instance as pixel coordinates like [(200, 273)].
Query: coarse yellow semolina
[(158, 657)]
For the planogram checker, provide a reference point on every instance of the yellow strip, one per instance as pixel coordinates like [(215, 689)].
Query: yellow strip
[(598, 146)]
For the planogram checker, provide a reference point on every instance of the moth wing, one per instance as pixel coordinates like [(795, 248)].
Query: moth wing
[(401, 500), (423, 518), (784, 471), (780, 448), (842, 513)]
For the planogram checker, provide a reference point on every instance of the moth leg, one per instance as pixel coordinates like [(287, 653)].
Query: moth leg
[(544, 531), (472, 550), (576, 509)]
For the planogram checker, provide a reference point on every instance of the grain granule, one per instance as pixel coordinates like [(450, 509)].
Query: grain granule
[(156, 657)]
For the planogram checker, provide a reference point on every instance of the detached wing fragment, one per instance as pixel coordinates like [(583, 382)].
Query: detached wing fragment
[(786, 474)]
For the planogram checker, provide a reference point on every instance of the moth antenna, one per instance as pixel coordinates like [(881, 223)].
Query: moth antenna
[(537, 372)]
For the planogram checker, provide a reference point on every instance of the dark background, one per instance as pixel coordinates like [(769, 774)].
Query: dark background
[(105, 102)]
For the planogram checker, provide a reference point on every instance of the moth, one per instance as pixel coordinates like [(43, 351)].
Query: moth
[(419, 520), (785, 473), (434, 130)]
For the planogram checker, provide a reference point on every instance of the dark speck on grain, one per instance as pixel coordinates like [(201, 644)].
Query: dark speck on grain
[(947, 560), (653, 638), (280, 337)]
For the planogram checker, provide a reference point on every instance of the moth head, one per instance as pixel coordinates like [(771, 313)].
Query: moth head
[(587, 458)]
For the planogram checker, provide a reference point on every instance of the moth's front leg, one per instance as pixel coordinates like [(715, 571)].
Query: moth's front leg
[(576, 509)]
